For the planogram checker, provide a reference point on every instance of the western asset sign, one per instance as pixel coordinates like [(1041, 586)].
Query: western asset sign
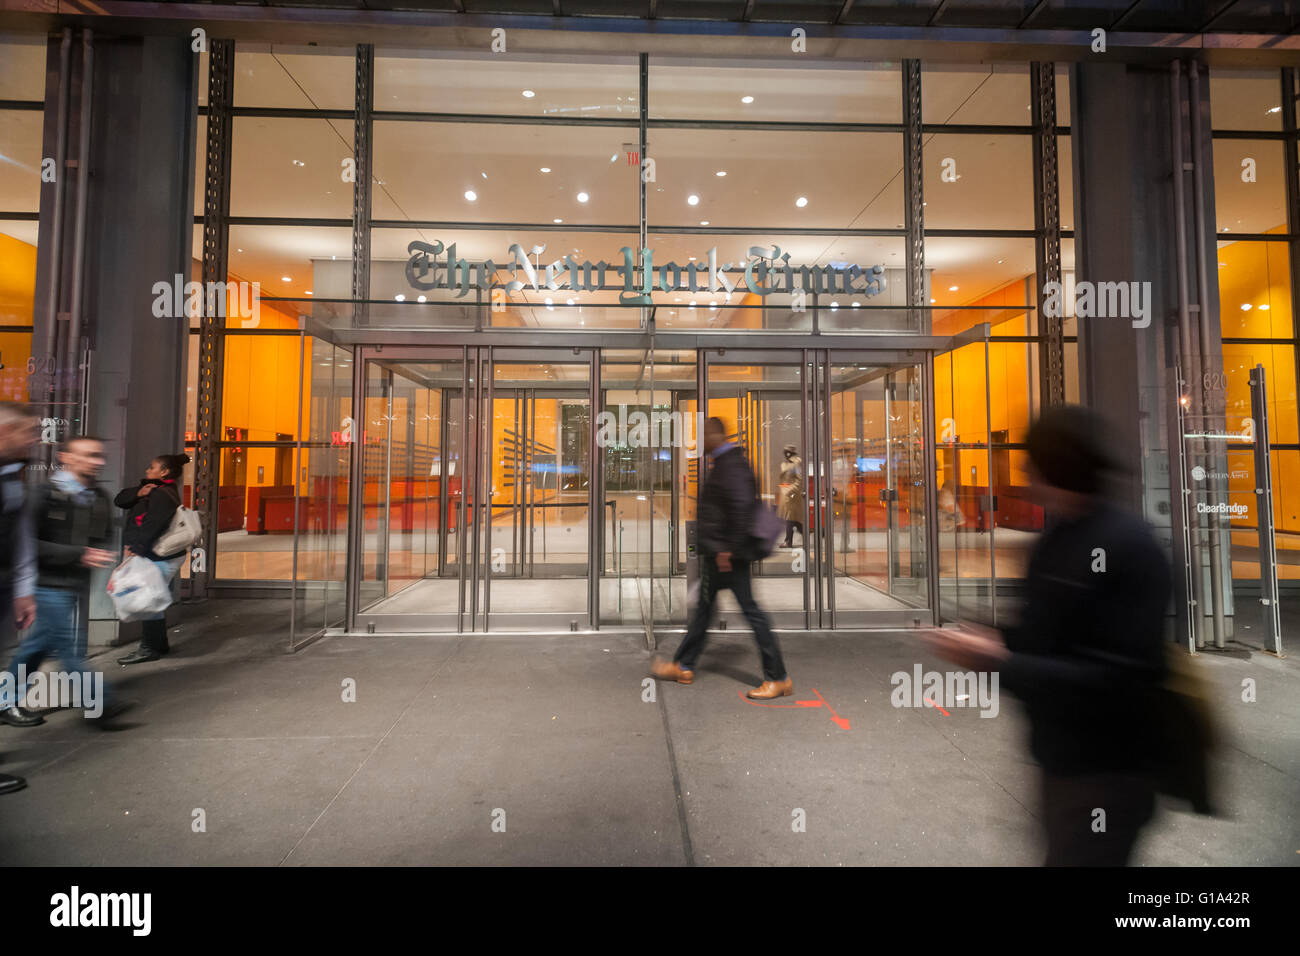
[(764, 272)]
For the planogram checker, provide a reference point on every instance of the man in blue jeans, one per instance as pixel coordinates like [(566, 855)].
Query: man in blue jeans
[(17, 549), (71, 518)]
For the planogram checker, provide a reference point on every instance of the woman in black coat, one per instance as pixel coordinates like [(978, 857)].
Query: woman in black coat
[(150, 506)]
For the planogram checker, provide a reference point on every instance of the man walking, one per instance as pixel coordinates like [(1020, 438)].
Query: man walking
[(725, 521), (72, 517), (17, 550)]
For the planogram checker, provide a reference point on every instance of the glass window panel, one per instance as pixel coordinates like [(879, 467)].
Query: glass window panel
[(986, 95), (1062, 95), (15, 350), (1239, 363), (1065, 180), (983, 272), (22, 68), (1254, 290), (290, 261), (1013, 390), (259, 398), (17, 274), (200, 167), (20, 160), (844, 180), (824, 93), (499, 84), (1246, 99), (1286, 513), (295, 77), (290, 167), (1257, 202), (452, 172), (993, 186)]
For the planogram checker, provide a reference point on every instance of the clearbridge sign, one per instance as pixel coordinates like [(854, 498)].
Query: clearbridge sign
[(433, 266)]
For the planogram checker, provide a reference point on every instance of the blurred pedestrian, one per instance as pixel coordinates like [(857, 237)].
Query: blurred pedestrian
[(1087, 657), (725, 522), (71, 520), (17, 547)]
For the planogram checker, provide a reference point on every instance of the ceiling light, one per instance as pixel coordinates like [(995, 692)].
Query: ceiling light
[(1264, 307), (568, 302), (308, 292), (583, 197), (471, 195), (932, 301), (614, 158), (286, 278), (835, 305), (399, 297), (746, 99), (704, 222), (529, 94), (801, 201), (692, 200), (1222, 265), (1276, 109), (558, 220), (856, 304), (484, 175), (952, 288), (1245, 307), (720, 172), (546, 169), (241, 250), (299, 162), (421, 298)]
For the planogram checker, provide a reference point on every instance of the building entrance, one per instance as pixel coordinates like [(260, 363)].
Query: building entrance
[(554, 489)]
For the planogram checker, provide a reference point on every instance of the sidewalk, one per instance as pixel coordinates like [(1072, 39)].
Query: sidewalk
[(553, 731)]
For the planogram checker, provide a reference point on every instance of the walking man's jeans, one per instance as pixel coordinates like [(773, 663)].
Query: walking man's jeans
[(738, 581), (58, 634)]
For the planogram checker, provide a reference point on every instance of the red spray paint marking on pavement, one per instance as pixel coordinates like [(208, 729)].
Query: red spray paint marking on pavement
[(819, 702), (933, 704)]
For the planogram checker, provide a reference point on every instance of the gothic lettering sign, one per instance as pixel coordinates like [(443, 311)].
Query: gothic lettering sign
[(435, 266)]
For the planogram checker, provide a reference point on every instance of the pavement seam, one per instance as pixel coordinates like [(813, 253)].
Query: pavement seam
[(379, 743), (687, 849)]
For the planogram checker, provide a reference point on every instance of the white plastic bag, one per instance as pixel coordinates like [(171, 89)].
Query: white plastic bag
[(138, 589)]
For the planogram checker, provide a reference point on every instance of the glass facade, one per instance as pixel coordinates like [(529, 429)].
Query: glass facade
[(468, 265)]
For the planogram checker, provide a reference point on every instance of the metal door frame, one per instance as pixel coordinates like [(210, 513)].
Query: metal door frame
[(814, 392)]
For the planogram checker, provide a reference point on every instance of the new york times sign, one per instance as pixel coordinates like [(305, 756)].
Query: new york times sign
[(433, 266)]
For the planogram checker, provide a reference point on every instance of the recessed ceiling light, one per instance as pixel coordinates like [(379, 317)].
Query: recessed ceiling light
[(720, 172), (484, 175), (1222, 265), (546, 169), (399, 297), (801, 201), (308, 292), (746, 99), (1276, 109), (568, 302), (583, 197), (471, 195), (286, 278), (614, 158), (241, 250), (692, 200), (420, 298), (704, 222), (932, 301), (299, 162), (1264, 307), (952, 288), (1245, 307), (558, 220), (835, 305), (529, 94), (856, 304)]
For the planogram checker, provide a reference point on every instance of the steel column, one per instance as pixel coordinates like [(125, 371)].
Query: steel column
[(1047, 231), (212, 324)]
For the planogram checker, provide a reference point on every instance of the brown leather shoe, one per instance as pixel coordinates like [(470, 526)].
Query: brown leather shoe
[(772, 688), (671, 670)]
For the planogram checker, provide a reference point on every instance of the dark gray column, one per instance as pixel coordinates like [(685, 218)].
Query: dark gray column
[(139, 208), (1127, 230)]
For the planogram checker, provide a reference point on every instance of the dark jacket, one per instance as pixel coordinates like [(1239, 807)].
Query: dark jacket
[(1088, 654), (66, 525), (17, 552), (725, 513), (147, 517)]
